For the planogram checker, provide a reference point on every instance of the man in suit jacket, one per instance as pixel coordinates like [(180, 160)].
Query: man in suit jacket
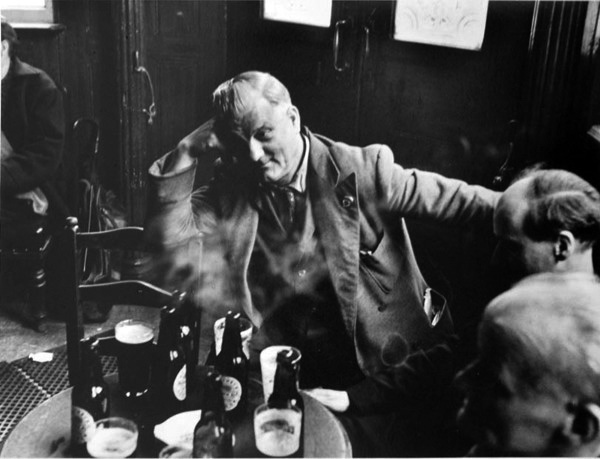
[(306, 235), (545, 221)]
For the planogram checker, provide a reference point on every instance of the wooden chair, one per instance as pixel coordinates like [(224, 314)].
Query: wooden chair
[(134, 292)]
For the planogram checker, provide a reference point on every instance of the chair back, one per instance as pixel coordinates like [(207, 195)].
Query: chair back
[(131, 292)]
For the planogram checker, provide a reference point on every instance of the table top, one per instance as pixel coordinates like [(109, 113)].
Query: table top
[(45, 431)]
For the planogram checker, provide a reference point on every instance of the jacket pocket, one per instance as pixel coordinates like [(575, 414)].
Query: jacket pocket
[(376, 266)]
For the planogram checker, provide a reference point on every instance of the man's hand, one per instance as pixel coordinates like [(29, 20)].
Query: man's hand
[(199, 142), (335, 400)]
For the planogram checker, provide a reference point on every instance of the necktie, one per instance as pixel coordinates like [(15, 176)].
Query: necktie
[(284, 206)]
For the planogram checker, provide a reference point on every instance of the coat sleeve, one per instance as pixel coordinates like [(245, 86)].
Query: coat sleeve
[(37, 159), (430, 196), (175, 212)]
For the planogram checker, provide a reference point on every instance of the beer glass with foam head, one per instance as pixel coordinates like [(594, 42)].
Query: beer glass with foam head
[(113, 437), (134, 356)]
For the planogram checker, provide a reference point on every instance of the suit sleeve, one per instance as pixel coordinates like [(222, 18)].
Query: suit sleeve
[(36, 161), (430, 196)]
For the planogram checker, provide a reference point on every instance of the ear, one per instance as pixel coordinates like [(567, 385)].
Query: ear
[(585, 426), (564, 245), (294, 115)]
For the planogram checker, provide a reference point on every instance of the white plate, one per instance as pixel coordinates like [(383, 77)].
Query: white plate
[(178, 429)]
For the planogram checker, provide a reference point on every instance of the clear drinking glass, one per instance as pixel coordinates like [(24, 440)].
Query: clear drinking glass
[(134, 355), (277, 431), (113, 437)]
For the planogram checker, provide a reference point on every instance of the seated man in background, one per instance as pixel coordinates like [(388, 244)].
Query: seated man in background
[(534, 389), (306, 235), (32, 143), (546, 221)]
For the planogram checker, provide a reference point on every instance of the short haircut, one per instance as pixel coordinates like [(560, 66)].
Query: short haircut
[(560, 200), (546, 329), (230, 97), (9, 34)]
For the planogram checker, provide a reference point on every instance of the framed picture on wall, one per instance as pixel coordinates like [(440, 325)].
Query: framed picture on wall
[(309, 12), (27, 11), (452, 23)]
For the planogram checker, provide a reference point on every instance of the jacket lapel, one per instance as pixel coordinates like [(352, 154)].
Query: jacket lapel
[(335, 207)]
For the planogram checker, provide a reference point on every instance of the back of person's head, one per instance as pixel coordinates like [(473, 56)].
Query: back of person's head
[(9, 34), (534, 389), (231, 97), (560, 200), (547, 328)]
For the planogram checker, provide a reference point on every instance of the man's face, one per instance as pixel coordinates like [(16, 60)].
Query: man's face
[(516, 251), (269, 139), (507, 419)]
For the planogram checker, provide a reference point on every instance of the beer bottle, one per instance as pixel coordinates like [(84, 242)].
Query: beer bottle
[(285, 395), (232, 364), (169, 370), (212, 435), (89, 398)]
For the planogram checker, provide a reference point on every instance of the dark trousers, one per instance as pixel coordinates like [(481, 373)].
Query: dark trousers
[(24, 243)]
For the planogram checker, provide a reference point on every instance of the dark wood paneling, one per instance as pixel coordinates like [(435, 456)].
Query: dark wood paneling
[(563, 97), (182, 45), (302, 58), (447, 109)]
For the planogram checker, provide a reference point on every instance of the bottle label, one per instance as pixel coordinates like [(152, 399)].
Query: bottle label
[(82, 425), (179, 384), (232, 392)]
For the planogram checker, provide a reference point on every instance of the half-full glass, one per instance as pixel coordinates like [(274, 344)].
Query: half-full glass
[(113, 437), (277, 431)]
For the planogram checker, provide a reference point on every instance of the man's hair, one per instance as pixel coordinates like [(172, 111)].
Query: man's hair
[(546, 329), (560, 200), (9, 34), (229, 98)]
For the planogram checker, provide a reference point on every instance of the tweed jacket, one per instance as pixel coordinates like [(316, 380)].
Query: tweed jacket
[(359, 197)]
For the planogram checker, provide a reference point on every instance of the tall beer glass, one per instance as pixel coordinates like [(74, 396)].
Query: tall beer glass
[(134, 356)]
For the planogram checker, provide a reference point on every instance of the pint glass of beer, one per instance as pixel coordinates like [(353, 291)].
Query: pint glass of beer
[(113, 437), (134, 356)]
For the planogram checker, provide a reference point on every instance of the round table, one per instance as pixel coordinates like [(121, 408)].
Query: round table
[(45, 431)]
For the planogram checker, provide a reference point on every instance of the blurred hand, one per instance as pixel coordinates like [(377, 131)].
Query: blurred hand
[(197, 143), (335, 400)]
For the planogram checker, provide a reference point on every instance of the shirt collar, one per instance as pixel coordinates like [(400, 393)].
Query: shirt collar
[(298, 182)]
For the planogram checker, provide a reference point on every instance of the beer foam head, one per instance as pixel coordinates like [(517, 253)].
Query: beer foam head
[(131, 332)]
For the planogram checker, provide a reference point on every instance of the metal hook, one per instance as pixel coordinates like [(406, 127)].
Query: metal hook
[(151, 111)]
